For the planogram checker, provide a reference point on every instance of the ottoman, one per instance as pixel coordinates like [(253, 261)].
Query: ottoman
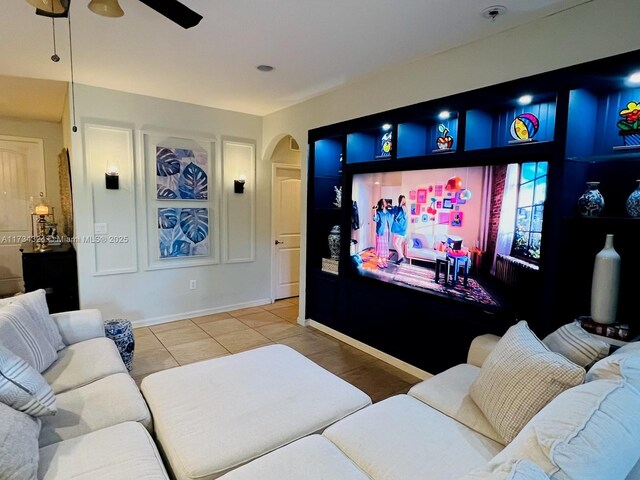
[(213, 416)]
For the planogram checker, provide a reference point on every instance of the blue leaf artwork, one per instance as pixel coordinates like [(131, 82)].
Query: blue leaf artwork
[(182, 174), (193, 183), (183, 232)]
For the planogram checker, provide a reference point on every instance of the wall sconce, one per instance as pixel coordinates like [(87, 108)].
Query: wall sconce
[(112, 178), (238, 185)]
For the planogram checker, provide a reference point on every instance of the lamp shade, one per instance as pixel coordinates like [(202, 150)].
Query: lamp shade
[(106, 8), (54, 6)]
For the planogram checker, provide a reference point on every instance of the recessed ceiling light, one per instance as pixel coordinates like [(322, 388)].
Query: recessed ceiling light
[(386, 127), (265, 68), (444, 115), (376, 183), (494, 11), (525, 100), (634, 77)]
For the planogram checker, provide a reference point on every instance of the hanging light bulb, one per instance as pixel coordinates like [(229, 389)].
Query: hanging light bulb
[(465, 194), (53, 6), (106, 8)]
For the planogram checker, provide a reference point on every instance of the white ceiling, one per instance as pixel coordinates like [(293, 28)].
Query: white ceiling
[(315, 46)]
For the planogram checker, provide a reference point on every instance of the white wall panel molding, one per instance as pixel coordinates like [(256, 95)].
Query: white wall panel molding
[(239, 209)]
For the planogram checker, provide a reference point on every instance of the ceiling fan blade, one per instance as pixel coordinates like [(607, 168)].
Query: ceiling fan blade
[(175, 11)]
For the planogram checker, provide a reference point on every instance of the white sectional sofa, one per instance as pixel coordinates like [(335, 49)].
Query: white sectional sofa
[(102, 427), (437, 432), (271, 414), (424, 242)]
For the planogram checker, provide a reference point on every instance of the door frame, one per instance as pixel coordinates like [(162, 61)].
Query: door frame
[(274, 168)]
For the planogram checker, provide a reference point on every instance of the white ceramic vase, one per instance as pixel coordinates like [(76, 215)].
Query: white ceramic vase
[(605, 284)]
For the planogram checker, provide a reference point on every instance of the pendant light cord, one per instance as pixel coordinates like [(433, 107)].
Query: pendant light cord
[(73, 89)]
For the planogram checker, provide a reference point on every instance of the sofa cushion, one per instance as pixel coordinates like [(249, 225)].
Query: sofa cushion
[(23, 388), (624, 364), (401, 438), (519, 377), (448, 392), (24, 336), (589, 431), (522, 469), (103, 403), (575, 343), (215, 415), (36, 304), (310, 458), (123, 451), (18, 444), (83, 363)]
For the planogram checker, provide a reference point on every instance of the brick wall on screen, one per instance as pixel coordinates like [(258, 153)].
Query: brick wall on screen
[(499, 175)]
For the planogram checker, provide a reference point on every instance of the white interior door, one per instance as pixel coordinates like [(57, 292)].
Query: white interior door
[(21, 182), (286, 207)]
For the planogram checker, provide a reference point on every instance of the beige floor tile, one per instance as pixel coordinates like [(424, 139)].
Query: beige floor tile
[(242, 340), (280, 330), (407, 377), (260, 318), (163, 327), (210, 318), (178, 336), (288, 313), (342, 360), (197, 351), (278, 304), (309, 343), (141, 332), (220, 327), (147, 343), (245, 311), (149, 362), (375, 381)]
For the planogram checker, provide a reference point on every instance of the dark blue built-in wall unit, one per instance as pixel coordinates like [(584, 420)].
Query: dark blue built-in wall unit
[(461, 161)]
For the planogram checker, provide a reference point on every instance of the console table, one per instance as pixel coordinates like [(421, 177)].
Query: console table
[(55, 271)]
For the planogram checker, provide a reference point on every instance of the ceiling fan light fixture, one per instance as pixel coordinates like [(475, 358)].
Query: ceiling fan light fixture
[(106, 8), (54, 6)]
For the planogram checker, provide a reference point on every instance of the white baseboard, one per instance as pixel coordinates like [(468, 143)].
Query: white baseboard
[(385, 357), (147, 322)]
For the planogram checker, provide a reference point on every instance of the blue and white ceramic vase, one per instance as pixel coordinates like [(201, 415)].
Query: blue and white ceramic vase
[(591, 202), (633, 202), (334, 242), (120, 332)]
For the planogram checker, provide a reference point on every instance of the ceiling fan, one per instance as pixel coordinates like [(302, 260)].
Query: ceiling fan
[(172, 9)]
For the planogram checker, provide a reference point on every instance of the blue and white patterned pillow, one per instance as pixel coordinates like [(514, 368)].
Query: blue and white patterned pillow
[(23, 388)]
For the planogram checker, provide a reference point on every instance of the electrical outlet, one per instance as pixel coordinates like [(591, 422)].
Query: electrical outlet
[(100, 228), (193, 284)]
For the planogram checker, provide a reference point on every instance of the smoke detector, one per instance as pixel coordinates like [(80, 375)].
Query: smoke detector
[(494, 11)]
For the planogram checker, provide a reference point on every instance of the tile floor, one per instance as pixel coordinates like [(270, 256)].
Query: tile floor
[(185, 341)]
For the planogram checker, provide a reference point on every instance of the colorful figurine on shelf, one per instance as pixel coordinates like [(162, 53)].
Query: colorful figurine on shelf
[(386, 144), (629, 128), (524, 127), (445, 141)]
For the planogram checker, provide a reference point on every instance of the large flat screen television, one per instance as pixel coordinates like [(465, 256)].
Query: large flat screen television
[(470, 233)]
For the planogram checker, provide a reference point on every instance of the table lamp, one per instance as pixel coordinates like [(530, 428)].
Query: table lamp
[(42, 210)]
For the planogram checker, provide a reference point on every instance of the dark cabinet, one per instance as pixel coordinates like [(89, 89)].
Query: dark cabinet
[(55, 271)]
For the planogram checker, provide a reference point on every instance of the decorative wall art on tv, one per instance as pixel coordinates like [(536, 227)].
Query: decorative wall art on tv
[(183, 232), (456, 219), (181, 174), (422, 195)]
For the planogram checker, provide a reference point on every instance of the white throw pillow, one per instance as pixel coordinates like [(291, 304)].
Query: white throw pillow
[(518, 378), (623, 364), (24, 389), (24, 336), (36, 304), (19, 452), (575, 343), (516, 470), (591, 431)]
